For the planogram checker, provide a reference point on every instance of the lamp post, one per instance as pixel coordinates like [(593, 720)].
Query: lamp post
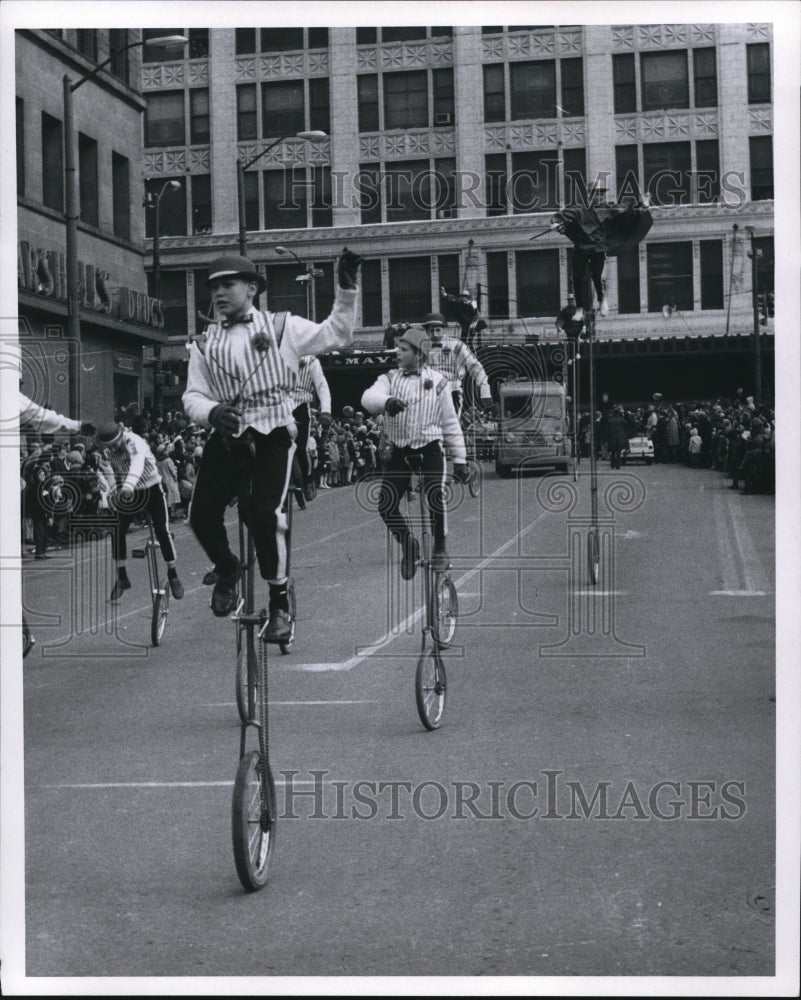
[(755, 253), (313, 136), (155, 204), (310, 272), (72, 211)]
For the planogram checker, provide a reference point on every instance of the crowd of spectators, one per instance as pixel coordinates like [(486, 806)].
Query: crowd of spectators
[(732, 436)]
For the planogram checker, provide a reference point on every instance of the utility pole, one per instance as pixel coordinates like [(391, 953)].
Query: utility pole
[(755, 253)]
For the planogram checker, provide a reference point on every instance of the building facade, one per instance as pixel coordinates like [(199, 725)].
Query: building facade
[(92, 374)]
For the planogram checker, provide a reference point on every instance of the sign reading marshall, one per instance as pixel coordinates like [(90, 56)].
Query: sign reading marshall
[(44, 272)]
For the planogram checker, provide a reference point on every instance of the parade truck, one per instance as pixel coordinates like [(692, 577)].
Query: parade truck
[(533, 429)]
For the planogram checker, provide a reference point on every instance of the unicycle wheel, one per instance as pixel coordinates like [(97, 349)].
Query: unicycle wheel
[(445, 610), (593, 556), (253, 820), (286, 646), (247, 675), (158, 622), (430, 688)]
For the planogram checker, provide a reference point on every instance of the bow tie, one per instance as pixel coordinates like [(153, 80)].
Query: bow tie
[(226, 323), (406, 374)]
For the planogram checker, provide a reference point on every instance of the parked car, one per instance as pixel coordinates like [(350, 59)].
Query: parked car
[(640, 449)]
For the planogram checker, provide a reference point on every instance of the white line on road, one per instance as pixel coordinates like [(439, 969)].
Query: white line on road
[(164, 784), (738, 593), (327, 666)]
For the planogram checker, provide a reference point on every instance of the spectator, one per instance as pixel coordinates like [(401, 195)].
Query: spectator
[(616, 436)]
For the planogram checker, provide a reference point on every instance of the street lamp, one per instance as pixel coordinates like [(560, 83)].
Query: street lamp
[(72, 209), (313, 136), (310, 272), (155, 203)]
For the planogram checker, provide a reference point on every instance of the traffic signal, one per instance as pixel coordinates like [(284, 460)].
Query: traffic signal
[(770, 303)]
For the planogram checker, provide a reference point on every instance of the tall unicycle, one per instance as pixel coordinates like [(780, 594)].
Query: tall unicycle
[(593, 536)]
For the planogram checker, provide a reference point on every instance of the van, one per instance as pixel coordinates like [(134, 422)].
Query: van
[(533, 429)]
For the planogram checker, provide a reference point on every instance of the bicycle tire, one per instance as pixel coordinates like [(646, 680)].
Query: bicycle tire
[(158, 620), (27, 639), (430, 689), (253, 821), (286, 646), (445, 610), (474, 482), (593, 556), (247, 678)]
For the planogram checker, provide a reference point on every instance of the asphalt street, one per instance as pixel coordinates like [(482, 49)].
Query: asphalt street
[(599, 801)]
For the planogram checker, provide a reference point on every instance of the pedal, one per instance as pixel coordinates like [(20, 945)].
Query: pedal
[(138, 553)]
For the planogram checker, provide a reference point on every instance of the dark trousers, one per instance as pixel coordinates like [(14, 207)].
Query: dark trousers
[(302, 416), (152, 500), (41, 530), (395, 481), (218, 482), (581, 261)]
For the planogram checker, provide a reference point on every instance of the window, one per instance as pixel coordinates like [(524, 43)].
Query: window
[(87, 179), (758, 62), (405, 34), (670, 275), (52, 163), (628, 281), (285, 198), (252, 201), (164, 119), (198, 47), (705, 78), (283, 291), (172, 292), (172, 206), (20, 147), (322, 212), (121, 195), (366, 36), (245, 41), (533, 89), (86, 42), (408, 190), (246, 114), (494, 93), (711, 274), (496, 183), (537, 273), (442, 86), (707, 171), (282, 108), (318, 39), (323, 289), (665, 83), (443, 187), (763, 245), (155, 53), (623, 81), (281, 39), (498, 285), (448, 272), (406, 100), (627, 174), (201, 203), (534, 181), (441, 30), (199, 116), (117, 42), (760, 148), (409, 288), (667, 172), (572, 87), (319, 104), (371, 293), (202, 293), (369, 187), (574, 163), (368, 102)]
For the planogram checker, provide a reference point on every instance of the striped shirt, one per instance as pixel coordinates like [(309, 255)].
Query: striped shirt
[(311, 382), (134, 466), (243, 364), (429, 416), (454, 358)]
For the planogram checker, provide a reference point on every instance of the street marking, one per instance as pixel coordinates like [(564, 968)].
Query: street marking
[(743, 574), (326, 666), (602, 593), (754, 574), (738, 593), (87, 786)]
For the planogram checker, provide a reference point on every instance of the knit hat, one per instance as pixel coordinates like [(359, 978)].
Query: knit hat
[(418, 339), (232, 266), (108, 434)]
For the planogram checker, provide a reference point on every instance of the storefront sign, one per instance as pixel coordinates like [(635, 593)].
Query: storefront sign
[(43, 271)]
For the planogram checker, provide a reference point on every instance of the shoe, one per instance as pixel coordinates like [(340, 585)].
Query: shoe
[(604, 307), (176, 587), (223, 597), (279, 627), (210, 578), (578, 315), (440, 561), (411, 556), (122, 584), (41, 555), (309, 492)]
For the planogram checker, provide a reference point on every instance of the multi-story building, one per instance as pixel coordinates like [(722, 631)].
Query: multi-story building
[(91, 372)]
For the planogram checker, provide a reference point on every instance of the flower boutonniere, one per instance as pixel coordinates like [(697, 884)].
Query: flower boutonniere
[(199, 340), (260, 340), (428, 384)]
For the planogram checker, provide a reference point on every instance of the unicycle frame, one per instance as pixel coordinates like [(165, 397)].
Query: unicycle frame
[(159, 591)]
